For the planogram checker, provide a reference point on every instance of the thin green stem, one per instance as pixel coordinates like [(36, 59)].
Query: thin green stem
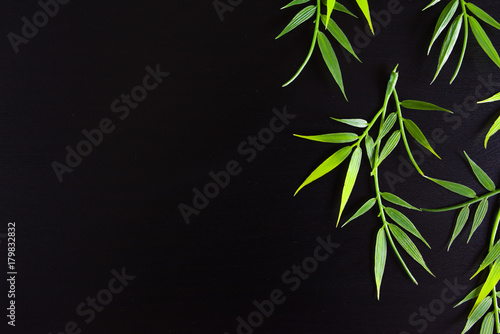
[(459, 206), (313, 44), (403, 133)]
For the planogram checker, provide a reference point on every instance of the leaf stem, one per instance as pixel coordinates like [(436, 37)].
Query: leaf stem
[(472, 201), (313, 44), (403, 133)]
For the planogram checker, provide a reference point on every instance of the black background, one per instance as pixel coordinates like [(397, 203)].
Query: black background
[(119, 207)]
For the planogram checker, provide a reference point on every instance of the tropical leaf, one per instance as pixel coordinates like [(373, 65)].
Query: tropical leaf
[(398, 201), (362, 210), (304, 15), (327, 166), (443, 21), (479, 216), (489, 284), (416, 133), (494, 98), (392, 142), (387, 126), (370, 149), (477, 314), (365, 8), (493, 254), (494, 129), (488, 322), (341, 8), (481, 176), (454, 187), (334, 138), (449, 43), (471, 295), (421, 105), (433, 2), (405, 223), (481, 14), (459, 225), (331, 60), (350, 179), (484, 41), (356, 122), (339, 35), (380, 258), (294, 3), (464, 48), (330, 4)]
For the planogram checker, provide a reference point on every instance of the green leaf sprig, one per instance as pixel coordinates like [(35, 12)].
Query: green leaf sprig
[(395, 225), (454, 21), (485, 294), (496, 125), (320, 38)]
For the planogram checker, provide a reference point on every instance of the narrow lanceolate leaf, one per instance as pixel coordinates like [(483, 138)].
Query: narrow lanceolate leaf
[(489, 284), (370, 149), (331, 60), (304, 15), (362, 210), (398, 201), (445, 18), (392, 142), (365, 8), (477, 314), (330, 4), (494, 98), (295, 2), (493, 254), (380, 257), (481, 176), (494, 129), (479, 216), (350, 179), (482, 15), (335, 138), (464, 48), (387, 126), (454, 187), (448, 44), (339, 35), (405, 223), (356, 122), (341, 8), (484, 41), (408, 245), (471, 295), (487, 325), (327, 166), (421, 105), (459, 225), (416, 133), (433, 2)]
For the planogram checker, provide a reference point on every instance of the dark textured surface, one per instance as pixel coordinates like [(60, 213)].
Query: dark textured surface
[(119, 207)]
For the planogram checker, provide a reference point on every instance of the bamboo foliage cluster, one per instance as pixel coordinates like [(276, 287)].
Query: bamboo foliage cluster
[(381, 135)]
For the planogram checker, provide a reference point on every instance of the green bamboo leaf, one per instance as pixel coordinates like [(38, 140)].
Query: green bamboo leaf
[(449, 43), (421, 105), (350, 179), (391, 85), (494, 129), (459, 225), (493, 254), (405, 223), (481, 14), (481, 176), (464, 48), (454, 187), (408, 245), (294, 3), (489, 284), (471, 295), (370, 149), (392, 142), (443, 21), (477, 314), (433, 2), (479, 216), (488, 322), (327, 166), (398, 201), (387, 126), (356, 122), (334, 138), (339, 35), (304, 15), (416, 133), (362, 210), (330, 4), (331, 60), (341, 8), (380, 257), (494, 98), (365, 8), (484, 41)]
